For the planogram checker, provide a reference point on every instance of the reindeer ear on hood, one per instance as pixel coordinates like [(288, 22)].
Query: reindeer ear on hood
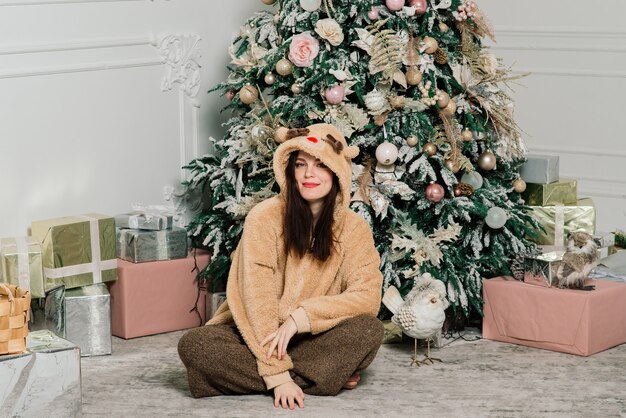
[(351, 152), (283, 134)]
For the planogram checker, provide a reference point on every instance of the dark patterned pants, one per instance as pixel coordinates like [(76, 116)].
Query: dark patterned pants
[(219, 362)]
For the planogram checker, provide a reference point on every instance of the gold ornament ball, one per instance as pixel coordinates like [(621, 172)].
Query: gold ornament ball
[(431, 45), (444, 99), (268, 2), (411, 141), (467, 135), (296, 88), (452, 166), (248, 94), (430, 149), (284, 67), (450, 109), (519, 185), (443, 27), (270, 79), (487, 161), (413, 76)]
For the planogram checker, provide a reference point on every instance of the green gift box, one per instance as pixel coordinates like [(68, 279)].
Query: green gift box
[(77, 250), (21, 264), (563, 191), (559, 220), (138, 246), (143, 220)]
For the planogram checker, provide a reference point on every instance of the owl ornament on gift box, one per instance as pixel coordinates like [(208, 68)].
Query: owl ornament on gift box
[(579, 259)]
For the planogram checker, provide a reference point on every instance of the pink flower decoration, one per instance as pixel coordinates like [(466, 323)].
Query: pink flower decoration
[(303, 49)]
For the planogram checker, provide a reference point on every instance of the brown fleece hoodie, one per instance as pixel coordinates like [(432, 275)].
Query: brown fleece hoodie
[(266, 285)]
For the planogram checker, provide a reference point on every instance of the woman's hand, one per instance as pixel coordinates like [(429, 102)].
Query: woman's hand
[(287, 395), (280, 339)]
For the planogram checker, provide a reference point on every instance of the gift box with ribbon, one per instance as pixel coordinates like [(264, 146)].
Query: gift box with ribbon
[(563, 191), (48, 313), (559, 220), (88, 312), (154, 218), (140, 246), (21, 264), (77, 250), (541, 270)]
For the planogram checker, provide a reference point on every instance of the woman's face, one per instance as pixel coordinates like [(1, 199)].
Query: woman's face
[(314, 179)]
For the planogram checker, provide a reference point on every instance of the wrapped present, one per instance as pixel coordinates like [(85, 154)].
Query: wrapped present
[(140, 246), (559, 220), (214, 300), (604, 239), (44, 381), (614, 249), (565, 320), (540, 169), (77, 250), (88, 319), (48, 313), (14, 316), (541, 270), (21, 264), (393, 333), (563, 191), (143, 300), (144, 220)]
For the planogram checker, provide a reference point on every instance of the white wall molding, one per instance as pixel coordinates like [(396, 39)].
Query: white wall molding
[(578, 151), (595, 193), (558, 31), (558, 48), (74, 46), (562, 72), (181, 54), (44, 2), (593, 179), (75, 68)]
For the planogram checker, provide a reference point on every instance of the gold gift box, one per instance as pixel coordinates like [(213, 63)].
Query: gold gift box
[(564, 191), (559, 220), (77, 250), (393, 333), (21, 264)]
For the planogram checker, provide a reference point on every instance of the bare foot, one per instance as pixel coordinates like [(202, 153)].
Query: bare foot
[(352, 381)]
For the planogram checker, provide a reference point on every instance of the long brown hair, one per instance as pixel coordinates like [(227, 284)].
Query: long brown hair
[(300, 236)]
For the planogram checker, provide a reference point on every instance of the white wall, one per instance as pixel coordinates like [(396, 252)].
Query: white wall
[(572, 103), (85, 125)]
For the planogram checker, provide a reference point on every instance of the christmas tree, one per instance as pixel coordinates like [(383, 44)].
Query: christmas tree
[(410, 83)]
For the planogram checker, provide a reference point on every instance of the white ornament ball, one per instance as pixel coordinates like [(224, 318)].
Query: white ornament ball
[(386, 153), (496, 217), (310, 5), (474, 179)]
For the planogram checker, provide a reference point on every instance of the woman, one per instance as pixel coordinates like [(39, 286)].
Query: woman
[(303, 289)]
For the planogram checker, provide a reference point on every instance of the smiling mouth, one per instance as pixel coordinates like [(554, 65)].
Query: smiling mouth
[(309, 185)]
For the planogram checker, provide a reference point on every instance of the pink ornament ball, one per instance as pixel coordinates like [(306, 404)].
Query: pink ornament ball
[(420, 6), (394, 5), (230, 94), (435, 192), (335, 94), (373, 13)]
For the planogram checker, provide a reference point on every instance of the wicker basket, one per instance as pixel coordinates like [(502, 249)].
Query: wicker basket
[(14, 316)]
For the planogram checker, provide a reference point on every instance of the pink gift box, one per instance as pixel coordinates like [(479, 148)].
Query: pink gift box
[(570, 321), (156, 297)]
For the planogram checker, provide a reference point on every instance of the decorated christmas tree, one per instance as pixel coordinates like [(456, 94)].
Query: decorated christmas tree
[(409, 82)]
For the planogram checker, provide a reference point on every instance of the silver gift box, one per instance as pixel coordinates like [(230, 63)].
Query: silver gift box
[(44, 381), (540, 169), (142, 220), (49, 312), (88, 319), (541, 270), (139, 246)]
